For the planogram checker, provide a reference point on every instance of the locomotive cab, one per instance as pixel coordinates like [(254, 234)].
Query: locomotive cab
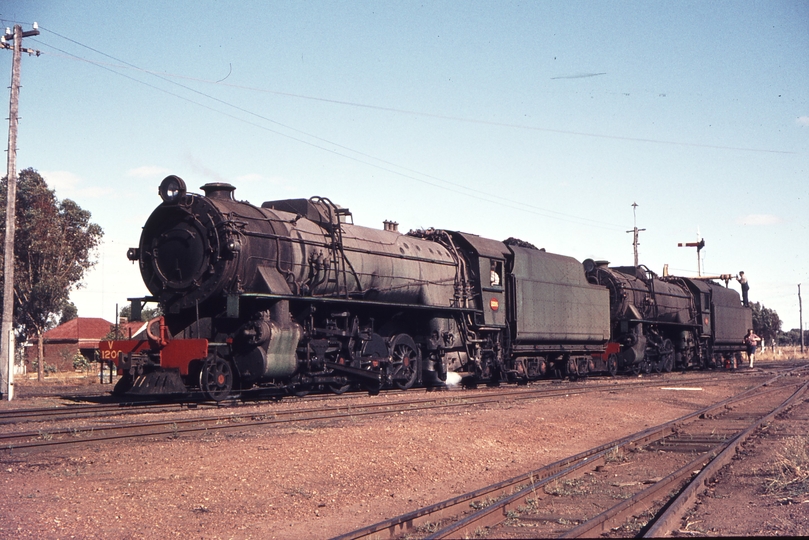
[(486, 260)]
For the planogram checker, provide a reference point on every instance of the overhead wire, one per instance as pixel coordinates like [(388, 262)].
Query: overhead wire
[(220, 82), (503, 201), (470, 192), (464, 119)]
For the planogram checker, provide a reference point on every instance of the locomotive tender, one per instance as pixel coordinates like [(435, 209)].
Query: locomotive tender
[(294, 297)]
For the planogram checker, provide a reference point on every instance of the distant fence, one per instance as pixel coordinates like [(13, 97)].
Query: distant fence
[(788, 352)]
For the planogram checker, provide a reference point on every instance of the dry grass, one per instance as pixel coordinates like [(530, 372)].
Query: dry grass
[(780, 354), (790, 474)]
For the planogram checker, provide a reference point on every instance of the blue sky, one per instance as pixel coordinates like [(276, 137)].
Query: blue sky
[(541, 120)]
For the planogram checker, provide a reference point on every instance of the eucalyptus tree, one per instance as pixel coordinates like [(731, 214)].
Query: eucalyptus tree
[(54, 245), (766, 322)]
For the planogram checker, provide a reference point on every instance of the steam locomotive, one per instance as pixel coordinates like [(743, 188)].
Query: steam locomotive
[(662, 323), (293, 297)]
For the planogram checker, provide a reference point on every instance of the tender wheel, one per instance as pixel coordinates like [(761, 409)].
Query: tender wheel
[(572, 369), (216, 378), (667, 356), (404, 365), (612, 365)]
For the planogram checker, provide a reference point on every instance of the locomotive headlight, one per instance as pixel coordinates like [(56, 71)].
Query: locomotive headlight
[(172, 188)]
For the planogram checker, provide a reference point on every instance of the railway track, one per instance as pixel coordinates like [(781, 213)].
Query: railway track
[(617, 488), (101, 431), (71, 412), (77, 411), (74, 410)]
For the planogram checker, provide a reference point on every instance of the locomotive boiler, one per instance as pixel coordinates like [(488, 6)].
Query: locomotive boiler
[(291, 295)]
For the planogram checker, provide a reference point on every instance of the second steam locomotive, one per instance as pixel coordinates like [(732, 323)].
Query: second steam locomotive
[(292, 296)]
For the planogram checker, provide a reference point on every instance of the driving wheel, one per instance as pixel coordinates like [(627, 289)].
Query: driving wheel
[(404, 361), (216, 378)]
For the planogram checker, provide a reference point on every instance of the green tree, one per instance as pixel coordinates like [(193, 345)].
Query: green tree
[(793, 337), (146, 314), (53, 245), (69, 312), (766, 322)]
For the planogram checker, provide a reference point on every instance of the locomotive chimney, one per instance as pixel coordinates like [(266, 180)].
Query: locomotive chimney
[(391, 226), (218, 190)]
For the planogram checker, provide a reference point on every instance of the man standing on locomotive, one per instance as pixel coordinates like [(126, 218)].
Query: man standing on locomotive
[(745, 287), (751, 341)]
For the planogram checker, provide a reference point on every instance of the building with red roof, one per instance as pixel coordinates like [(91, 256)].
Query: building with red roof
[(80, 335)]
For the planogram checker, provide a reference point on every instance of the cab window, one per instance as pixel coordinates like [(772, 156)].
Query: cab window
[(496, 274)]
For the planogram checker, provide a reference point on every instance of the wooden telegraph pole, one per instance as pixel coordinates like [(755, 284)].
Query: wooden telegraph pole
[(800, 314), (7, 334)]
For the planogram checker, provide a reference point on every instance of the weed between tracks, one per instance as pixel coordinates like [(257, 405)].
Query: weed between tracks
[(567, 487), (615, 455), (590, 485), (478, 505), (480, 532), (427, 528), (635, 524)]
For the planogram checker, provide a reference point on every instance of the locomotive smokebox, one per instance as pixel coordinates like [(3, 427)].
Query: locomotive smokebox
[(188, 248)]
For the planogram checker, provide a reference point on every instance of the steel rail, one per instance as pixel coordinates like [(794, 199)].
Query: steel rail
[(514, 491), (665, 522), (498, 512), (246, 418), (17, 416), (707, 464)]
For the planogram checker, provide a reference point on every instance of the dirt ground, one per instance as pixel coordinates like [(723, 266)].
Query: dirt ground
[(320, 479)]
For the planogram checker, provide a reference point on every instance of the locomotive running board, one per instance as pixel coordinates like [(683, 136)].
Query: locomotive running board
[(342, 300)]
